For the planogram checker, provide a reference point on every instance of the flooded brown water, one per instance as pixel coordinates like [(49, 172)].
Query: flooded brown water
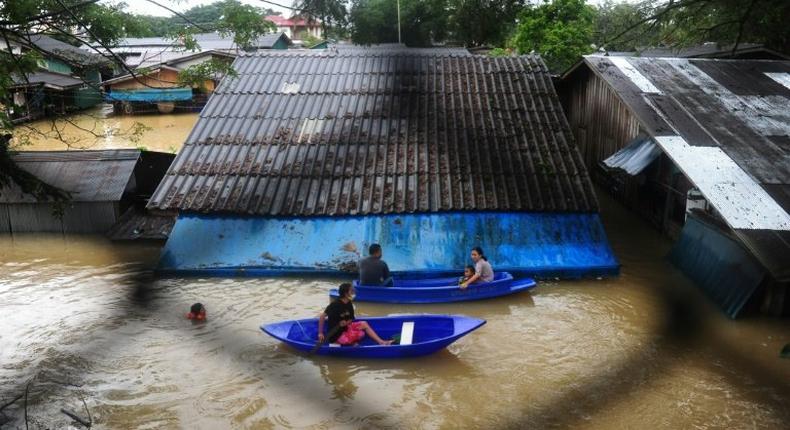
[(643, 350), (99, 128)]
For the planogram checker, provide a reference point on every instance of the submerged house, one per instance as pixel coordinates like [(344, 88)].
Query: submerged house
[(67, 79), (157, 88), (303, 160), (101, 186), (150, 51), (700, 147)]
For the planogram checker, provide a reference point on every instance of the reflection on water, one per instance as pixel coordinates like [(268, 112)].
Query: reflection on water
[(99, 128), (593, 353)]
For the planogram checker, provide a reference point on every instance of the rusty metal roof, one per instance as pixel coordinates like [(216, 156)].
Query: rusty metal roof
[(726, 124), (373, 132), (89, 176)]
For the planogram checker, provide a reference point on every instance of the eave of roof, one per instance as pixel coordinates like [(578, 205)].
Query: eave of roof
[(725, 134)]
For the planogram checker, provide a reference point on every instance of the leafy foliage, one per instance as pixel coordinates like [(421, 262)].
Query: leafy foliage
[(245, 23), (678, 23), (376, 21), (206, 16), (482, 22), (614, 18), (561, 31), (196, 75), (331, 13)]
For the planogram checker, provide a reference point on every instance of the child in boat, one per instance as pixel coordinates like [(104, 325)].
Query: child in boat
[(342, 328), (197, 312), (483, 270), (469, 271)]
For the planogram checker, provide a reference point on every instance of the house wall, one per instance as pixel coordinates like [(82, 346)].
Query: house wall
[(78, 217), (89, 95), (159, 79), (57, 66), (538, 244), (602, 125)]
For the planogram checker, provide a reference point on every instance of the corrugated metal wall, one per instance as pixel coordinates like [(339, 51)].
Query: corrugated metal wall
[(718, 264), (601, 123), (79, 217)]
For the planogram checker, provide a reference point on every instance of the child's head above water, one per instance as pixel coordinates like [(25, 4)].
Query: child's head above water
[(469, 271), (197, 312)]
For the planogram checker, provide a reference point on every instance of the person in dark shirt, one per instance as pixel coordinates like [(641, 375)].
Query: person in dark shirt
[(340, 313), (373, 270)]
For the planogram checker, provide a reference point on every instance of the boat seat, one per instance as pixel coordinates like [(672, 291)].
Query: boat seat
[(407, 333)]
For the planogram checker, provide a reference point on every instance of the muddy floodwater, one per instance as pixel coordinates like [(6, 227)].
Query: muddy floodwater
[(81, 318), (99, 128)]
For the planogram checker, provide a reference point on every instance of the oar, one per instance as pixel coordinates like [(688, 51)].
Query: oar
[(331, 333)]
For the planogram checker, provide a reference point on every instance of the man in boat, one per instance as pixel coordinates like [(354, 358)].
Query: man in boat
[(342, 328), (373, 270)]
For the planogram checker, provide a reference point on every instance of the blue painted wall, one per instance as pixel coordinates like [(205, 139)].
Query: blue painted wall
[(718, 264), (539, 244)]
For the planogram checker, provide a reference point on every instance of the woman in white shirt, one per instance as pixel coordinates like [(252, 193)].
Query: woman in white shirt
[(483, 270)]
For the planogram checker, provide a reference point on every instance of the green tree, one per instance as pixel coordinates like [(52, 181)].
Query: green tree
[(613, 18), (482, 22), (561, 31), (677, 23), (332, 14), (423, 22)]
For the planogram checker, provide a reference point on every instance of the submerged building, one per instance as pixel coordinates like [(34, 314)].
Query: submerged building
[(304, 159), (701, 148), (102, 187)]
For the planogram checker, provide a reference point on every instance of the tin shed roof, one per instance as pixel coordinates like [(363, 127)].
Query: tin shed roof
[(89, 176), (726, 124), (373, 132)]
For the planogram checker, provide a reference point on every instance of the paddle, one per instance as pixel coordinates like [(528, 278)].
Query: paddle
[(331, 333)]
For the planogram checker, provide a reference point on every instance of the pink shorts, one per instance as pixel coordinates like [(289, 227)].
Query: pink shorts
[(353, 334)]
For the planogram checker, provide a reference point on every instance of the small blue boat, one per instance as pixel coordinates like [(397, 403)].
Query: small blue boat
[(440, 290), (419, 334)]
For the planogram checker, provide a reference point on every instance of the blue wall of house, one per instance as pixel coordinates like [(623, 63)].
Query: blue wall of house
[(718, 264), (538, 244)]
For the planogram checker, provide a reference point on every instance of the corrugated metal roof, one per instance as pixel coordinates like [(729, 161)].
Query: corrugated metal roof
[(73, 54), (635, 157), (726, 124), (711, 50), (349, 48), (89, 176), (139, 224), (52, 80), (206, 41), (334, 133)]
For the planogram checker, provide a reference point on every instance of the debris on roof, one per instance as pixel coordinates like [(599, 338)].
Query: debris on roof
[(377, 131)]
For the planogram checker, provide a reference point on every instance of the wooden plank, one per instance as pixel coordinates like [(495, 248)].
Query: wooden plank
[(407, 333)]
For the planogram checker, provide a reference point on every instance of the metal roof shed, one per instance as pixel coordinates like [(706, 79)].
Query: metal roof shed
[(725, 124), (413, 148), (95, 180)]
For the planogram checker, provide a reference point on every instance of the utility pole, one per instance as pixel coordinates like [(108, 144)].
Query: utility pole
[(399, 42)]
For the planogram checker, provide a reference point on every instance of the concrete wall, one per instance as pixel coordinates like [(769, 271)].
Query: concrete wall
[(542, 244)]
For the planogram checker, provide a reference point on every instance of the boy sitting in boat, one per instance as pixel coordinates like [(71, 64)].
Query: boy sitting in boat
[(342, 328), (469, 271), (373, 270)]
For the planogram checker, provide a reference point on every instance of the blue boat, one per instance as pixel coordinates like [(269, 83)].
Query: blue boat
[(440, 290), (419, 335)]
